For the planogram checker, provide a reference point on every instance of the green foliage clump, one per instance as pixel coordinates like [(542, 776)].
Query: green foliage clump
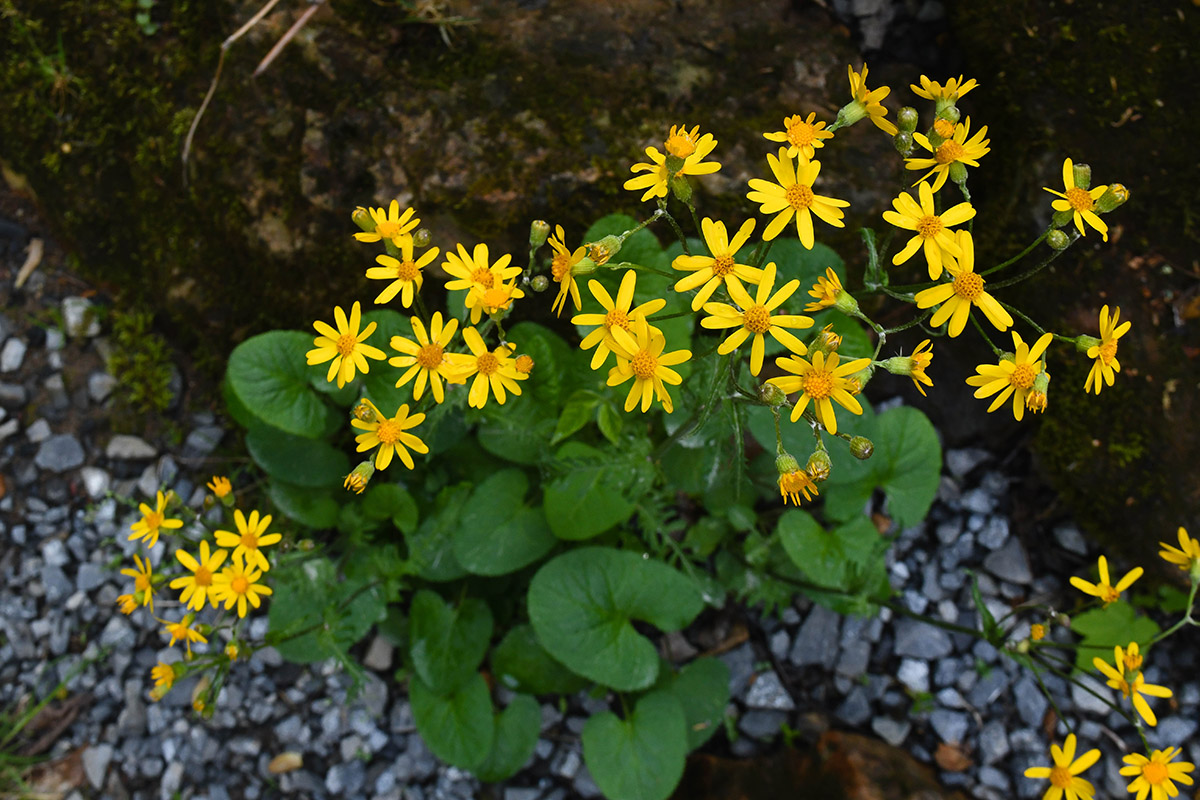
[(140, 361)]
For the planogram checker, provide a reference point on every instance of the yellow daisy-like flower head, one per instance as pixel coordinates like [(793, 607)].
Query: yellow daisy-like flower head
[(796, 482), (616, 323), (931, 229), (1104, 590), (964, 291), (143, 586), (649, 367), (494, 300), (1157, 774), (346, 345), (495, 371), (404, 272), (686, 151), (183, 630), (561, 270), (1186, 556), (957, 149), (709, 272), (793, 196), (196, 587), (163, 676), (237, 585), (426, 358), (913, 366), (127, 604), (391, 436), (864, 104), (1012, 377), (1037, 631), (220, 486), (1104, 351), (1080, 202), (251, 536), (153, 521), (393, 226), (826, 290), (755, 318), (953, 89), (473, 271), (820, 382), (1130, 682), (1064, 775), (802, 136)]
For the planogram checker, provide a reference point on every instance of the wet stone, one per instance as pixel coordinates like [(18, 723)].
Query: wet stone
[(894, 732), (762, 724), (1010, 563), (59, 453), (817, 639), (921, 640), (950, 726), (767, 692)]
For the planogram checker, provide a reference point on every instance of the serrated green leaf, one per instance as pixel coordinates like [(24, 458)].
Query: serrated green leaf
[(1104, 628), (499, 532), (517, 729), (459, 728), (269, 376), (590, 495), (314, 615), (582, 604), (849, 560), (447, 644), (639, 758)]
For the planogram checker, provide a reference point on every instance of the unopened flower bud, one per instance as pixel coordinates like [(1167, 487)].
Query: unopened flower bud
[(943, 129), (364, 411), (907, 119), (1037, 632), (422, 237), (772, 395), (1083, 343), (786, 463), (958, 172), (903, 142), (539, 283), (863, 377), (819, 465), (898, 365), (362, 218), (1115, 196), (1082, 173), (827, 340), (1062, 620), (1039, 393), (358, 479), (524, 364), (584, 266), (681, 189), (861, 448), (1022, 646), (949, 113), (539, 231), (600, 252), (1058, 240), (305, 545)]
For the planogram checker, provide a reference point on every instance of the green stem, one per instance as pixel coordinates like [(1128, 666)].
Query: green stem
[(1019, 255), (1035, 270), (759, 258), (995, 350), (662, 210)]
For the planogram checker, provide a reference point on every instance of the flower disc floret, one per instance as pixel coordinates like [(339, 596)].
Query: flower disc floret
[(495, 371), (616, 322), (1105, 591), (755, 318), (393, 226), (143, 584), (957, 149), (196, 587), (865, 104), (687, 151), (801, 135), (237, 585), (1157, 774), (648, 366), (1106, 364), (561, 265), (963, 292), (1131, 683), (709, 272), (250, 537), (474, 273), (405, 273), (426, 358)]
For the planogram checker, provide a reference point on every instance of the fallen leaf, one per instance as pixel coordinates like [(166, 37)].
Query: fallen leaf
[(285, 762), (951, 757)]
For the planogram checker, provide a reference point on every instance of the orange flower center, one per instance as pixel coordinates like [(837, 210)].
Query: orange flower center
[(680, 144), (1108, 351), (792, 484), (389, 229), (407, 270), (929, 226), (949, 151), (722, 265), (1060, 777), (968, 286), (943, 128), (483, 277), (757, 319), (818, 384), (141, 583), (487, 363), (800, 133), (1036, 402), (560, 266), (799, 196), (240, 584), (346, 343), (1110, 595), (1023, 375), (250, 539), (1079, 199), (1133, 662), (153, 520), (616, 319), (388, 431), (524, 364), (1155, 773), (644, 365), (496, 297), (203, 576), (430, 356)]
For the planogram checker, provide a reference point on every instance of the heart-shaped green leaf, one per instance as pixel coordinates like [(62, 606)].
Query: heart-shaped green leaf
[(639, 758), (849, 559), (458, 728), (702, 689), (312, 463), (517, 729), (315, 509), (447, 644), (269, 375), (522, 664), (499, 532), (582, 604)]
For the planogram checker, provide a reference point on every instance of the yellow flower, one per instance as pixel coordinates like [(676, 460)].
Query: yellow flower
[(865, 103), (793, 195), (826, 290), (820, 381), (1156, 773), (220, 486), (801, 135), (931, 228), (1037, 631), (391, 436), (393, 225), (964, 291), (1012, 376), (1131, 683), (426, 358), (560, 270), (360, 476), (196, 587), (153, 521), (708, 272), (164, 676), (957, 149), (494, 371), (472, 270), (1104, 590), (1064, 774), (143, 585), (755, 318), (404, 273), (183, 630), (685, 155), (1079, 201), (1105, 350), (913, 366), (127, 604), (346, 345), (251, 536), (616, 323), (794, 483), (494, 300), (932, 90), (237, 584), (648, 365), (1186, 555)]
